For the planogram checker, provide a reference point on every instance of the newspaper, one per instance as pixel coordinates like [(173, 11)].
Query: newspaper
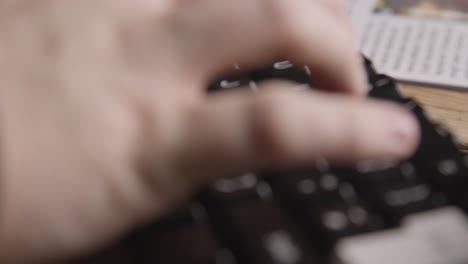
[(421, 41)]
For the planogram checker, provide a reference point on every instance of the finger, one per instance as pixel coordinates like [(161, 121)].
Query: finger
[(237, 132), (252, 32), (338, 7), (327, 45)]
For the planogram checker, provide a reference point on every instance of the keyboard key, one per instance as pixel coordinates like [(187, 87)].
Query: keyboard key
[(373, 174), (395, 190), (462, 198), (183, 215), (184, 236), (245, 187), (235, 80), (333, 221), (194, 243), (384, 87), (261, 233), (285, 70), (230, 82), (308, 187), (186, 215), (446, 170), (435, 139), (116, 254), (435, 237), (398, 200)]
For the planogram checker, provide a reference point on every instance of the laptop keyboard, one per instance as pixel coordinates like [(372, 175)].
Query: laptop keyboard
[(410, 212)]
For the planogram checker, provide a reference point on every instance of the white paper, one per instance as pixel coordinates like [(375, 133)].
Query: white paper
[(422, 41)]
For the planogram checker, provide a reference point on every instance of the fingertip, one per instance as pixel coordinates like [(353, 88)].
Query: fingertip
[(403, 129), (385, 131), (356, 130)]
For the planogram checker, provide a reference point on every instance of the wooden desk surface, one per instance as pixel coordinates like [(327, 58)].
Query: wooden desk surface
[(445, 106)]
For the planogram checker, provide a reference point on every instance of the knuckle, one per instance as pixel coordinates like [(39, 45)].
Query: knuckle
[(354, 139), (338, 5), (271, 137), (282, 18)]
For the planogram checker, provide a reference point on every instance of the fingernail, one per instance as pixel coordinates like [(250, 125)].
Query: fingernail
[(404, 129)]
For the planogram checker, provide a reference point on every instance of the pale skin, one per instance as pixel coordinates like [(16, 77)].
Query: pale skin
[(105, 123)]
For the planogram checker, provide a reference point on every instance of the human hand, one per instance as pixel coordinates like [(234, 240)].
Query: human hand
[(105, 123)]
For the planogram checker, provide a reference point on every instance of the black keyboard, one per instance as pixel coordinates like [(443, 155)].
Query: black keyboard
[(410, 212)]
